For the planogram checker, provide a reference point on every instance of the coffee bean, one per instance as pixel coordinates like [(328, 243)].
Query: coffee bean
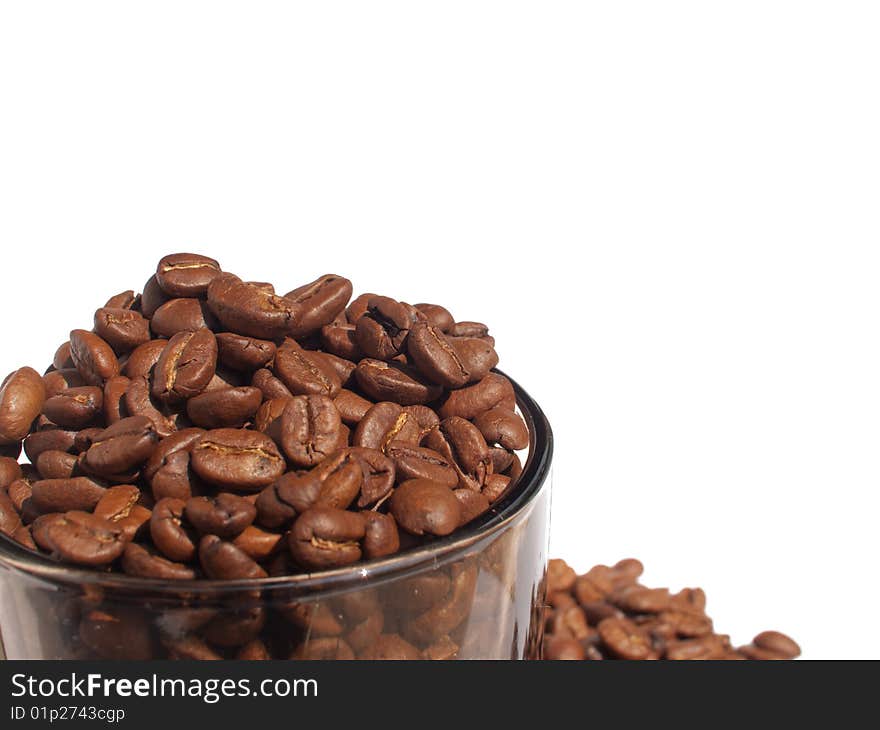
[(139, 561), (181, 315), (138, 402), (778, 643), (379, 475), (63, 495), (237, 459), (186, 366), (341, 340), (57, 381), (62, 360), (395, 382), (142, 359), (473, 504), (225, 515), (114, 399), (493, 391), (383, 328), (47, 440), (93, 357), (269, 385), (435, 357), (320, 303), (325, 537), (244, 353), (222, 560), (123, 329), (10, 521), (9, 471), (504, 427), (495, 487), (417, 462), (84, 539), (21, 400), (421, 506), (305, 372), (172, 539), (127, 299), (122, 447), (152, 297), (249, 310), (380, 537), (224, 408), (56, 465), (310, 430), (75, 407), (186, 274), (256, 543), (437, 316), (468, 329), (463, 446), (335, 482), (385, 423)]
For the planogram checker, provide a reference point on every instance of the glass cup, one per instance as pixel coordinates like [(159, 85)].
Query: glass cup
[(477, 594)]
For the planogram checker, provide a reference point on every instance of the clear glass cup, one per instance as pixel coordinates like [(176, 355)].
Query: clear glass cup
[(477, 594)]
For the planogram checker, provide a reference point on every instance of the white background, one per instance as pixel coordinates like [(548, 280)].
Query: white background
[(667, 211)]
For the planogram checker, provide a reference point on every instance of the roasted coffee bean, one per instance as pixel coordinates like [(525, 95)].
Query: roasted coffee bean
[(383, 328), (56, 465), (249, 310), (777, 643), (233, 629), (325, 537), (503, 427), (120, 507), (473, 504), (10, 521), (379, 475), (493, 391), (417, 462), (93, 357), (118, 633), (186, 274), (170, 537), (380, 537), (237, 459), (468, 329), (320, 303), (122, 329), (9, 471), (57, 381), (50, 439), (310, 430), (270, 386), (343, 368), (152, 297), (305, 372), (436, 357), (143, 563), (124, 300), (224, 408), (114, 399), (122, 447), (272, 510), (225, 515), (256, 543), (62, 360), (222, 560), (186, 366), (142, 359), (244, 353), (463, 446), (625, 640), (341, 340), (268, 417), (138, 402), (63, 495), (392, 381), (351, 406), (75, 407), (495, 487), (21, 401), (385, 423), (335, 482), (358, 307), (84, 539), (561, 648), (181, 315), (421, 506), (437, 316)]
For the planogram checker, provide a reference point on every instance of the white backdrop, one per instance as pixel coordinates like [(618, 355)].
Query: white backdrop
[(667, 212)]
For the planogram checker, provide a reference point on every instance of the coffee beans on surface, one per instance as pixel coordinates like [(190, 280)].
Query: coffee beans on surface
[(212, 427), (606, 613)]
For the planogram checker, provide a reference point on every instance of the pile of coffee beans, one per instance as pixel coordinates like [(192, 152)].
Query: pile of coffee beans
[(210, 427), (607, 613)]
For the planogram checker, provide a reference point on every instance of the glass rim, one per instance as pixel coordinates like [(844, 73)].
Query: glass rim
[(358, 575)]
